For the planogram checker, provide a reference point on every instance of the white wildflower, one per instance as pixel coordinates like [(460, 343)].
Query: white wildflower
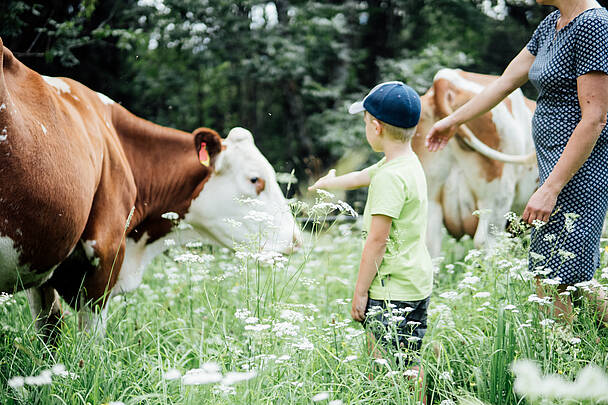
[(349, 358), (325, 194), (575, 341), (172, 374), (468, 282), (482, 294), (536, 256), (16, 382), (44, 378), (172, 216), (565, 255), (235, 377), (541, 301), (547, 322), (550, 281), (510, 307), (304, 344), (222, 389), (242, 313), (189, 258), (449, 295), (591, 384), (446, 375), (321, 396), (208, 374), (257, 328), (285, 328), (537, 223), (569, 221), (294, 316), (550, 237), (5, 298), (344, 207), (382, 362)]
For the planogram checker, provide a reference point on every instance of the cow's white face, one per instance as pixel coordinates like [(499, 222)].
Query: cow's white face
[(242, 201)]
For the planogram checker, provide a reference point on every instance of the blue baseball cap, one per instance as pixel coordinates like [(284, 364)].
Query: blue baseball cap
[(395, 103)]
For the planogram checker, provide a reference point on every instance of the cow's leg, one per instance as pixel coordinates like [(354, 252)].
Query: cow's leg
[(434, 228), (93, 318), (492, 208), (97, 285), (46, 310)]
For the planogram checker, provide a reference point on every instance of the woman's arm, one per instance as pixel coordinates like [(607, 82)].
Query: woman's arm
[(593, 98), (347, 181), (514, 76), (371, 258)]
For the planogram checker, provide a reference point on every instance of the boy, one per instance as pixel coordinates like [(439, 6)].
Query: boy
[(396, 273)]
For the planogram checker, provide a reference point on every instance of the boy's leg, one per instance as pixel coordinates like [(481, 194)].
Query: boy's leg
[(416, 324)]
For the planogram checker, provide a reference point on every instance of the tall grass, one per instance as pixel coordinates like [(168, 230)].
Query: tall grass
[(286, 322)]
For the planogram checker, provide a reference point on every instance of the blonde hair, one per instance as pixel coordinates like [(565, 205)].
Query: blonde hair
[(397, 133)]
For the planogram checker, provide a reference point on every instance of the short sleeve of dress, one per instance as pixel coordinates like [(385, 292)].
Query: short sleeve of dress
[(533, 44), (591, 48), (536, 41)]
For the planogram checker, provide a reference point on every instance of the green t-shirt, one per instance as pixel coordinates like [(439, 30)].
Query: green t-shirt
[(398, 190)]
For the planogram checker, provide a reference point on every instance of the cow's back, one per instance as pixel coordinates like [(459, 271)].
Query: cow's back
[(52, 154)]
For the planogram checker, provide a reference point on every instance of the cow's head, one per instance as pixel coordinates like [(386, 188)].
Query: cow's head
[(242, 200)]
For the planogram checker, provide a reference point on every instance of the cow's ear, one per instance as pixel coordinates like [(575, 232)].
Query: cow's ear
[(208, 145)]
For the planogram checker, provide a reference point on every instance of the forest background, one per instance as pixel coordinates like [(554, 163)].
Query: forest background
[(285, 69)]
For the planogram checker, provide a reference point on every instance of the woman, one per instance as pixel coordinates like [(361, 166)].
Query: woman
[(567, 61)]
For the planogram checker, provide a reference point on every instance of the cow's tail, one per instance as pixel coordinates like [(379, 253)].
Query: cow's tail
[(474, 143)]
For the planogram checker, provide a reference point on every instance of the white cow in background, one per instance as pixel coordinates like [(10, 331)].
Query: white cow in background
[(242, 200), (489, 166)]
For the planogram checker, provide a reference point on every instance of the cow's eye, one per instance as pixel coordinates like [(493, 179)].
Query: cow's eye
[(253, 180)]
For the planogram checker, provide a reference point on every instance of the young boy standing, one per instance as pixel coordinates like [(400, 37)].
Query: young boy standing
[(396, 273)]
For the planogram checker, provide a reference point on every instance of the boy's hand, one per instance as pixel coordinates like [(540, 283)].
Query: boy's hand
[(358, 306), (321, 183)]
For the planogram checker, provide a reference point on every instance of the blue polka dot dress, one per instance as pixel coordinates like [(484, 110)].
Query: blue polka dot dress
[(567, 248)]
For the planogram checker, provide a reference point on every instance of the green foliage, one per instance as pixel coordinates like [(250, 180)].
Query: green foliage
[(285, 69)]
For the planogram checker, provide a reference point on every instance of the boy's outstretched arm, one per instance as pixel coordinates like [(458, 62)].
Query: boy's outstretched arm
[(373, 253), (347, 181)]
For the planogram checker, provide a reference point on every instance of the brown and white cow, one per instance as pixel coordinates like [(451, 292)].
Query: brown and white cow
[(83, 185), (490, 166)]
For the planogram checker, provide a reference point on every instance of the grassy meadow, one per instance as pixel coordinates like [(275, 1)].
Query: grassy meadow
[(212, 326)]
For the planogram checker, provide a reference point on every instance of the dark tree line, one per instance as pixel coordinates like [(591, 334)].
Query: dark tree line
[(285, 69)]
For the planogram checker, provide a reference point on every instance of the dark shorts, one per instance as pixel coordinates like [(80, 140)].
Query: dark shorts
[(397, 325)]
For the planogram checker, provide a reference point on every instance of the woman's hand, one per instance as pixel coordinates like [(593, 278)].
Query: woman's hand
[(358, 306), (540, 205), (321, 183), (440, 134)]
